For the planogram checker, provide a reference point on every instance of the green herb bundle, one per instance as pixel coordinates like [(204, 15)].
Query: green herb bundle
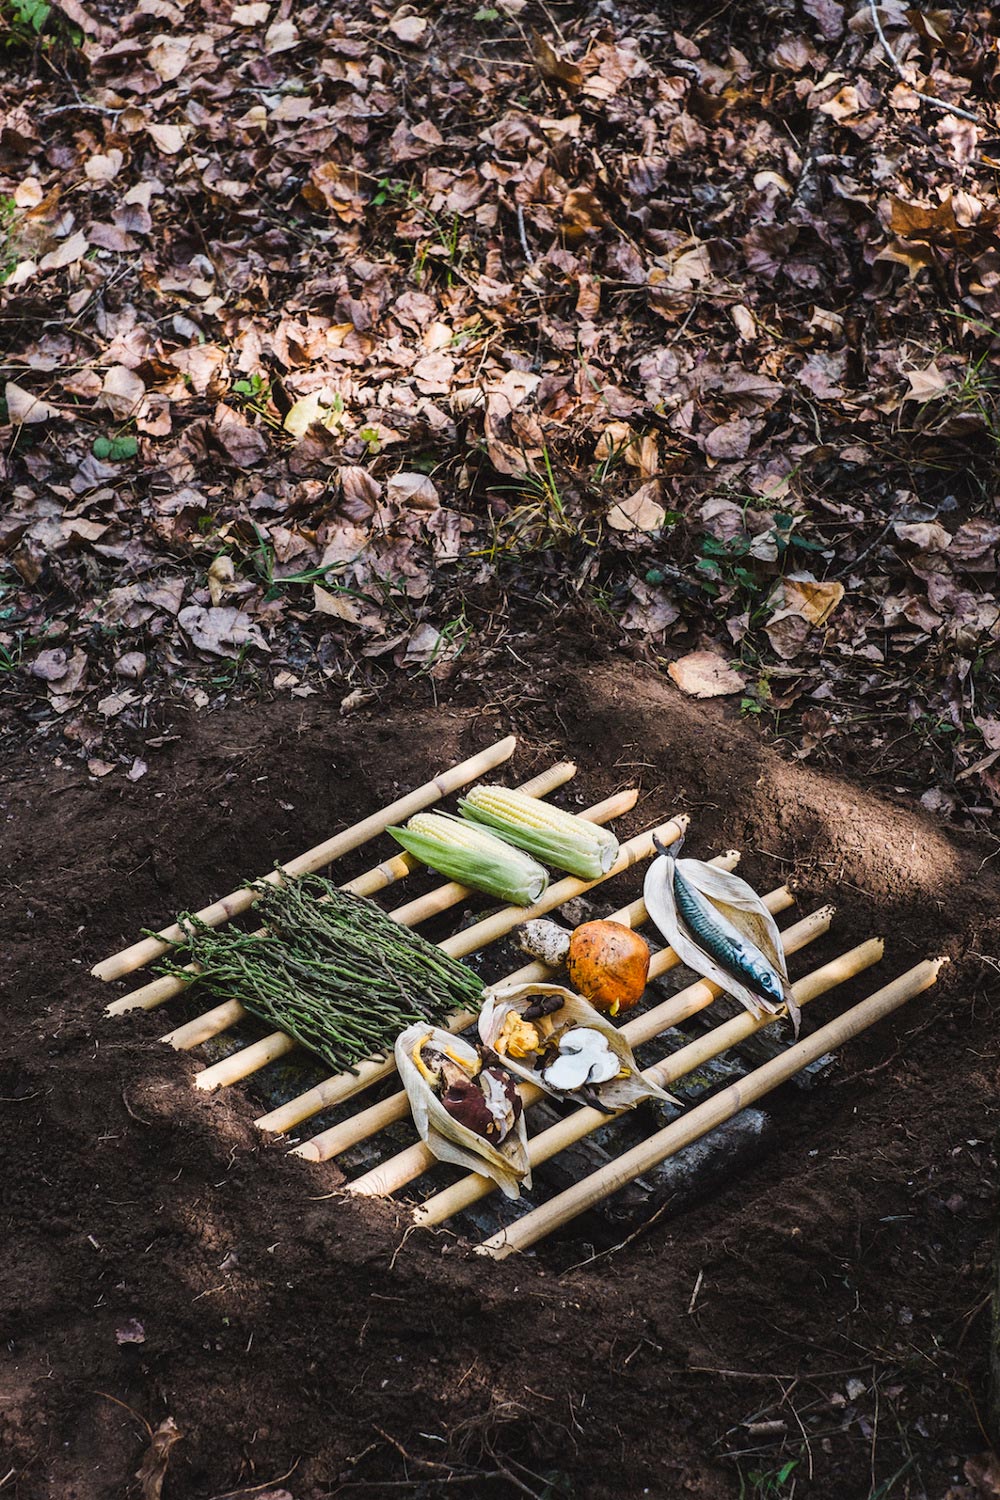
[(332, 970)]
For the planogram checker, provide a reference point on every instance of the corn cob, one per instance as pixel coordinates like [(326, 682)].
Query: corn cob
[(559, 838), (473, 857)]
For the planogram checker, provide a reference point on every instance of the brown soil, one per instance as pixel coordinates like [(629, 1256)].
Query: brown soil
[(301, 1346)]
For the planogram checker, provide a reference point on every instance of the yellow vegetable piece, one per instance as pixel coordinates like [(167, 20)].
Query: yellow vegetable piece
[(517, 1038)]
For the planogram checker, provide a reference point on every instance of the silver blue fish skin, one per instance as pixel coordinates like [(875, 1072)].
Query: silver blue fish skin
[(733, 952)]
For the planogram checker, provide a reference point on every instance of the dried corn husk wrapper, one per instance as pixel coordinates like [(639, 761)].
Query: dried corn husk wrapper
[(622, 1092), (736, 903), (450, 1140)]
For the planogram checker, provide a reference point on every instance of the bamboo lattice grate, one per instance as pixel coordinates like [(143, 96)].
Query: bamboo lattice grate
[(406, 1166)]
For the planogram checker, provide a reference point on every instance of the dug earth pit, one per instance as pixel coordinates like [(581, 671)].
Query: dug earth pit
[(164, 1259)]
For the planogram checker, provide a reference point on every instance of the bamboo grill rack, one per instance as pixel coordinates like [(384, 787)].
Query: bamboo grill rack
[(406, 1166)]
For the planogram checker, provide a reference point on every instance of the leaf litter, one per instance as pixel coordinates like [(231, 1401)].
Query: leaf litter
[(331, 336)]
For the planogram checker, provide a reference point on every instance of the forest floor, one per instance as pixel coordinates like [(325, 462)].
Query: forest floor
[(378, 381)]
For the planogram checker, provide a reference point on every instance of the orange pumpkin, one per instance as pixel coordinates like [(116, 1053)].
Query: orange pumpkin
[(608, 964)]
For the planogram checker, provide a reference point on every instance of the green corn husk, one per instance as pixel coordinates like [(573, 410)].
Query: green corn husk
[(473, 857), (332, 970), (559, 838)]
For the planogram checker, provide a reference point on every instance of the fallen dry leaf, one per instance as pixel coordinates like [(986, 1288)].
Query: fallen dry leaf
[(642, 511), (408, 28), (220, 631), (553, 68), (24, 408), (929, 536), (123, 392), (927, 384), (417, 491), (703, 674), (983, 1473), (805, 596), (281, 36), (153, 1469), (67, 254), (309, 409), (341, 606)]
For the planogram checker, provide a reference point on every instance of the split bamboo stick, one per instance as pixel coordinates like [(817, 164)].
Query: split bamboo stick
[(669, 1070), (365, 1123), (394, 1173), (147, 949), (258, 1054), (367, 884), (667, 1142)]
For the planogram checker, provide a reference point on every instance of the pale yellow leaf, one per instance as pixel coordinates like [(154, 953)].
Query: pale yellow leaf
[(341, 606), (928, 384), (813, 600), (640, 512), (704, 674), (168, 138), (310, 409)]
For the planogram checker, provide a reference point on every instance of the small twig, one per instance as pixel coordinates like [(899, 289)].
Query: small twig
[(125, 1407), (952, 109), (523, 237), (251, 1489), (600, 1254), (89, 109)]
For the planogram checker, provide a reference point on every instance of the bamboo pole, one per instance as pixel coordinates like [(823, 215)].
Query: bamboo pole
[(599, 1185), (396, 1107), (367, 884), (394, 1173), (249, 1059), (144, 951), (669, 1070)]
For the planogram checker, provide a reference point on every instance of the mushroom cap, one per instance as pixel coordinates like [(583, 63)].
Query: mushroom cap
[(609, 964)]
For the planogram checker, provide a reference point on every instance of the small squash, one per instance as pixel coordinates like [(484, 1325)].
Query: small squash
[(609, 963)]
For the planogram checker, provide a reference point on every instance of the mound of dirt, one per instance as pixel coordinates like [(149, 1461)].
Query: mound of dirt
[(163, 1259)]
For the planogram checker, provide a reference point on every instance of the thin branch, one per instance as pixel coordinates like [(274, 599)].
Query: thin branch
[(523, 237), (952, 109)]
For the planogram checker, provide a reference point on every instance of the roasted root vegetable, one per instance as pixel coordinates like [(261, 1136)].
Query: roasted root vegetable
[(546, 1035), (558, 838), (606, 962), (465, 1112), (473, 857)]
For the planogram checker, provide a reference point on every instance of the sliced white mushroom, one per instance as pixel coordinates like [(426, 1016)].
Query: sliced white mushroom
[(584, 1057), (570, 1071)]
